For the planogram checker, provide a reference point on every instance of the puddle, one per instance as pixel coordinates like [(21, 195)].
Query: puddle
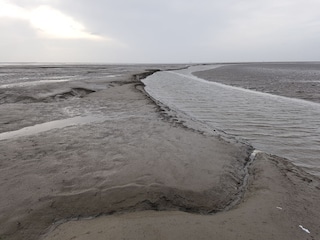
[(58, 124), (32, 83), (32, 130)]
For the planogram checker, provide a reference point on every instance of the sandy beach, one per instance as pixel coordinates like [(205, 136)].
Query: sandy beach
[(141, 171)]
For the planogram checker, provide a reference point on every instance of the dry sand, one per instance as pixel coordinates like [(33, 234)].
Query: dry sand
[(143, 158)]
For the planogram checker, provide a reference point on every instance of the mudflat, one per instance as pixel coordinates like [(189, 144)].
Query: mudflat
[(141, 171), (281, 202), (295, 80)]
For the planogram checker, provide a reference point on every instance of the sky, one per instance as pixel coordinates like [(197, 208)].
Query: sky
[(154, 31)]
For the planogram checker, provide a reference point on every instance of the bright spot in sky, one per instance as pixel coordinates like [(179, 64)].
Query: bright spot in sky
[(53, 23), (12, 11), (48, 21)]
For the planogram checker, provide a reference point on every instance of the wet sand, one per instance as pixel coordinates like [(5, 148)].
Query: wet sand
[(295, 80), (141, 159), (281, 202)]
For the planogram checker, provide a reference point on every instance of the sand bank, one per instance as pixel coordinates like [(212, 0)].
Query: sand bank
[(281, 202), (143, 158)]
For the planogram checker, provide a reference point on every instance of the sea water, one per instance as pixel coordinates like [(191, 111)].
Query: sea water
[(287, 127)]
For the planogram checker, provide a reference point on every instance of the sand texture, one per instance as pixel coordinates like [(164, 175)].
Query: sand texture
[(279, 203), (135, 157)]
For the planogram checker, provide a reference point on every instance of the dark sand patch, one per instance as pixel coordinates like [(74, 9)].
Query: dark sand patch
[(296, 80)]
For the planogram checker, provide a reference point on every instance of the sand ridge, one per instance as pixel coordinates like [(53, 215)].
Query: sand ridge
[(281, 203)]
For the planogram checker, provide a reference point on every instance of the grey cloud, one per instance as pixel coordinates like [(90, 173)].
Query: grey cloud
[(183, 31)]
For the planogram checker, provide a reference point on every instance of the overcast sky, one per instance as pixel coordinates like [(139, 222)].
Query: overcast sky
[(154, 31)]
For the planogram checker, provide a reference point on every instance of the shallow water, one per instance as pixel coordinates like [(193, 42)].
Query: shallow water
[(30, 75), (284, 126), (38, 128), (58, 124)]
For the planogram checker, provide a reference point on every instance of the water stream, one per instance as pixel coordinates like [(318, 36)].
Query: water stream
[(287, 127)]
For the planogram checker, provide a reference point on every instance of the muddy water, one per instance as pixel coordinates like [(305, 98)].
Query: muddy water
[(287, 127)]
